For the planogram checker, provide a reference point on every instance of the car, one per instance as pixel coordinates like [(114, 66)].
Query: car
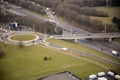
[(51, 36), (101, 73), (88, 34), (111, 73), (19, 8), (117, 77), (6, 5), (93, 76), (64, 48), (102, 78), (47, 9), (115, 53), (40, 38)]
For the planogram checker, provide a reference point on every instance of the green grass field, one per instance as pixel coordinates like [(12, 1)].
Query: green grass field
[(29, 64), (105, 20), (118, 41), (23, 37), (111, 11), (0, 34)]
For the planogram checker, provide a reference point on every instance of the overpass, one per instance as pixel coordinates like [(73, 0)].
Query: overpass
[(83, 36)]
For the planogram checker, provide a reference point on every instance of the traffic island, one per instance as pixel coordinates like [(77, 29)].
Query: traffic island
[(23, 38)]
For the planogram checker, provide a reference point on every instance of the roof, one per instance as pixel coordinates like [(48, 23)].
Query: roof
[(61, 76)]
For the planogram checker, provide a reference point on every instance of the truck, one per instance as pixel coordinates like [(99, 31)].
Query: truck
[(116, 53)]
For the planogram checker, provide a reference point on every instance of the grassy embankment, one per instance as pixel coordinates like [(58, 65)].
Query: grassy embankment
[(82, 48), (29, 64), (111, 11), (118, 40)]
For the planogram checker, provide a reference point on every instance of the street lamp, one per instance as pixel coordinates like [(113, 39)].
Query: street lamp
[(105, 29), (71, 31)]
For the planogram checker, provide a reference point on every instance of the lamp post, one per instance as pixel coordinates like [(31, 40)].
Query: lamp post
[(105, 30), (71, 31)]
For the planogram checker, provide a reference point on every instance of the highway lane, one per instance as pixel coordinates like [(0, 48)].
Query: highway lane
[(82, 36), (98, 47), (113, 45), (16, 12), (82, 54), (61, 24), (64, 25), (107, 50), (29, 13)]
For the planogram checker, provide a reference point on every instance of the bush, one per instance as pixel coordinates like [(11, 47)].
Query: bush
[(45, 58), (2, 53), (21, 45)]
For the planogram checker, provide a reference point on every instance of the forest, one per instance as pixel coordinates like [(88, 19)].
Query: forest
[(77, 12)]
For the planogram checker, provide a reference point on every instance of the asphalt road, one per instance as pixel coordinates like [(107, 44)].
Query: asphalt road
[(28, 13), (82, 54), (98, 47), (64, 25), (61, 24), (83, 36), (107, 50)]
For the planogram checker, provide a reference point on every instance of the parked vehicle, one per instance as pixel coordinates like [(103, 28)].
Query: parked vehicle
[(6, 5)]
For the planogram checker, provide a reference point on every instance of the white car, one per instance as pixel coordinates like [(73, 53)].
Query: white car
[(65, 49), (110, 73), (92, 76), (101, 73), (117, 77)]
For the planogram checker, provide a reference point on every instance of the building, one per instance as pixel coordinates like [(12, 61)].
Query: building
[(61, 76)]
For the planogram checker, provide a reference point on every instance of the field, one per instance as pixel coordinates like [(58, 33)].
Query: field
[(105, 20), (0, 34), (118, 40), (29, 64), (111, 11), (24, 37)]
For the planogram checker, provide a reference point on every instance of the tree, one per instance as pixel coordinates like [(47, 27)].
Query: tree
[(1, 53), (45, 58), (116, 20), (62, 1), (21, 45), (51, 28), (2, 47)]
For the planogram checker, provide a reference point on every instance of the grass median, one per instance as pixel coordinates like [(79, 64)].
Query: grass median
[(82, 48)]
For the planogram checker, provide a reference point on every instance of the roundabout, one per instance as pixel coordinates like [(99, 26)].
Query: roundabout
[(23, 37), (20, 36)]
